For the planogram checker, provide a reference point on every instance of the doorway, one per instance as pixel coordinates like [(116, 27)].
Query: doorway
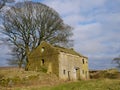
[(78, 74), (42, 62), (68, 75)]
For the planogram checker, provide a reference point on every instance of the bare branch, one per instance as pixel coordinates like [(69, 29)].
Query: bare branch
[(26, 25)]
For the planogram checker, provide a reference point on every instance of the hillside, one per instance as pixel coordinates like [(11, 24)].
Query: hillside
[(100, 74), (15, 77), (18, 79)]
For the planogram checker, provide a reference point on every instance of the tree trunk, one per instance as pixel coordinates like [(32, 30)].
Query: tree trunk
[(20, 63), (27, 58)]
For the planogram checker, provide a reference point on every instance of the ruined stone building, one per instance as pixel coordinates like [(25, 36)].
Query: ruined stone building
[(65, 63)]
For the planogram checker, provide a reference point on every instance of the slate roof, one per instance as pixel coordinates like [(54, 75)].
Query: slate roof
[(62, 49), (70, 51)]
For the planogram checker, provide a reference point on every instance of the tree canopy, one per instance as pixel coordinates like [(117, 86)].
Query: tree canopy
[(3, 2), (117, 61), (27, 24)]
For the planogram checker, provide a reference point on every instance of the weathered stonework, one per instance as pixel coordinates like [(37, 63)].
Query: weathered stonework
[(65, 63)]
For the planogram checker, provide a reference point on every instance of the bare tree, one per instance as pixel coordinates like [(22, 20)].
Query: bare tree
[(117, 61), (27, 24), (18, 57), (2, 3)]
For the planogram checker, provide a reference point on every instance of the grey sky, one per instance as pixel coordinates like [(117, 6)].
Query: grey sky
[(96, 25)]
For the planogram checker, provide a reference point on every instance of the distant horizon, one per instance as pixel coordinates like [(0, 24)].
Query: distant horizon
[(93, 64)]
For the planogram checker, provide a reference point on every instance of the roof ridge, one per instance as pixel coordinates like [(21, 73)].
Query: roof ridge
[(68, 50)]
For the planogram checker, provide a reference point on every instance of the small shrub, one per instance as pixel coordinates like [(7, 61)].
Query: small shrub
[(33, 77), (16, 79), (111, 74), (1, 76), (42, 69), (4, 81)]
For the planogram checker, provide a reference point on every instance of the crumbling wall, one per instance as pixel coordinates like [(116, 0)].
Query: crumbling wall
[(46, 60), (71, 67)]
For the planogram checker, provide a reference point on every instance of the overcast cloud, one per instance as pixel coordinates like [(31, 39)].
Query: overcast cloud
[(96, 25)]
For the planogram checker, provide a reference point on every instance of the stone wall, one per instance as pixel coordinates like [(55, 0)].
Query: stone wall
[(71, 67), (65, 65), (44, 57)]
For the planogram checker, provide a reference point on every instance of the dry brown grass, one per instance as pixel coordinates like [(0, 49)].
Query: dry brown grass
[(15, 77), (110, 73), (32, 80)]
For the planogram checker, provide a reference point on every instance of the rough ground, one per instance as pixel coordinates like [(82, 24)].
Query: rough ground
[(18, 79), (15, 77)]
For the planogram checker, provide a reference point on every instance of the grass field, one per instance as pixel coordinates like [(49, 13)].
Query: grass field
[(102, 84), (31, 80)]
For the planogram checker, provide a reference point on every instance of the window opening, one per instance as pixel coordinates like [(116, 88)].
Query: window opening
[(43, 49), (83, 61), (42, 62), (64, 72)]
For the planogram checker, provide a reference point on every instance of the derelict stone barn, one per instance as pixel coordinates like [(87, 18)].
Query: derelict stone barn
[(65, 63)]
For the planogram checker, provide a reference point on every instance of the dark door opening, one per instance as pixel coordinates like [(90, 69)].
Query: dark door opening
[(68, 75), (78, 74), (42, 62)]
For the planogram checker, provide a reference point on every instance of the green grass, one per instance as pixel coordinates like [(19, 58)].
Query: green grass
[(31, 80), (100, 84), (88, 85)]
